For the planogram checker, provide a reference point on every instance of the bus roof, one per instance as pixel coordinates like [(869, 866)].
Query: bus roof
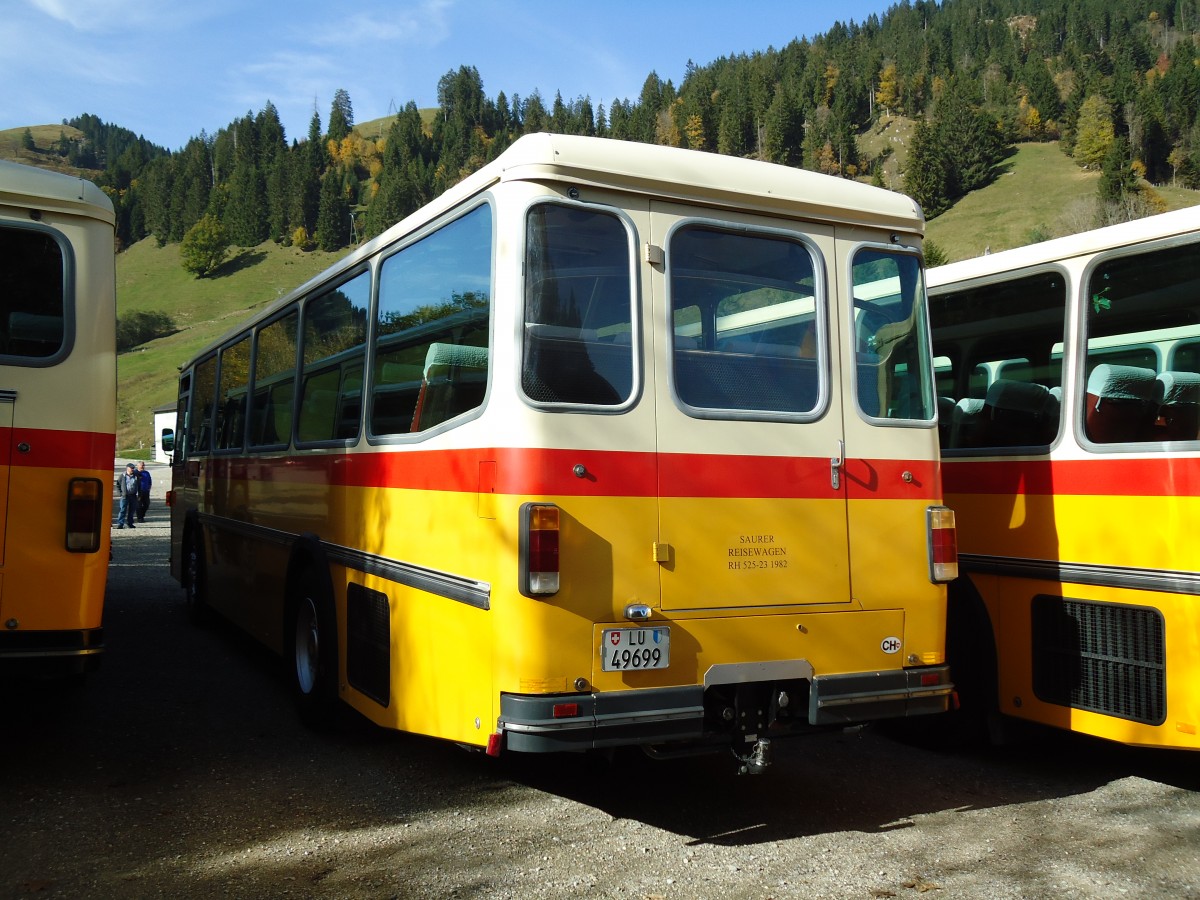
[(1164, 225), (710, 178), (28, 186)]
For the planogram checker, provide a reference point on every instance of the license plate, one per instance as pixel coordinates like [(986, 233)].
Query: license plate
[(635, 649)]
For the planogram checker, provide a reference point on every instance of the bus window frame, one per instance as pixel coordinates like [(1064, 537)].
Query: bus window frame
[(69, 298), (193, 450), (637, 385), (1079, 381), (302, 371), (252, 388), (851, 347), (237, 444), (378, 262), (820, 313), (1069, 335)]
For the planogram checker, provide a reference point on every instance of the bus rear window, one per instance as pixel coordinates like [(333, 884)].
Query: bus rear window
[(890, 338), (745, 324), (578, 345), (32, 294)]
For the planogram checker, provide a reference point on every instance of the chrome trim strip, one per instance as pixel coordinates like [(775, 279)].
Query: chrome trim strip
[(874, 697), (432, 581), (49, 654), (594, 720), (1168, 582)]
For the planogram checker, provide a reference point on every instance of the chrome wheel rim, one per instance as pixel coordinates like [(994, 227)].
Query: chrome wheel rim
[(308, 645)]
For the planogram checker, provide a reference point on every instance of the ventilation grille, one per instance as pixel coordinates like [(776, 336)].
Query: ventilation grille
[(1101, 657), (368, 643)]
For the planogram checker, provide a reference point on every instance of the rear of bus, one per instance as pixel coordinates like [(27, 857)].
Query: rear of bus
[(721, 457), (57, 418)]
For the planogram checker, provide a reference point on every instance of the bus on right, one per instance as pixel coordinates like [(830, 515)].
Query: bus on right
[(1068, 379)]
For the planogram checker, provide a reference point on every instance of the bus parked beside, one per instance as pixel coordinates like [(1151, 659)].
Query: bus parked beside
[(612, 444), (58, 396), (1068, 377)]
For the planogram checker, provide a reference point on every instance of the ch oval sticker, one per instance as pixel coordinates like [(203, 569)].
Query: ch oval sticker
[(890, 645)]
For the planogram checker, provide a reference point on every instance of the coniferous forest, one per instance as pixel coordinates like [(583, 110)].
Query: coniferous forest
[(1115, 82)]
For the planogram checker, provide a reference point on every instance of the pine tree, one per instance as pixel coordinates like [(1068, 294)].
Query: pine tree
[(333, 216), (925, 176), (1117, 178), (341, 115)]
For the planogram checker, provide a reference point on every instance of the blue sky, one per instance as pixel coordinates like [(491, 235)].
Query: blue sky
[(166, 69)]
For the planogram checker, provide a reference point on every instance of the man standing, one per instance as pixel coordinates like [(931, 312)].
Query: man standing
[(130, 485), (143, 491)]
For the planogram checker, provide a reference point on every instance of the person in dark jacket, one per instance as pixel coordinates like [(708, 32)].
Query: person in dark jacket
[(143, 491), (130, 486)]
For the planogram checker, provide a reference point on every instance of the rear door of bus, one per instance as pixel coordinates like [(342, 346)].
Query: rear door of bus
[(753, 510)]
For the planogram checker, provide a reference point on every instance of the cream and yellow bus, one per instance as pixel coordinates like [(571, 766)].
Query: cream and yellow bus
[(1068, 377), (58, 394), (612, 444)]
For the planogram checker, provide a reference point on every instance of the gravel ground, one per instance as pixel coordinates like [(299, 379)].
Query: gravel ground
[(179, 770)]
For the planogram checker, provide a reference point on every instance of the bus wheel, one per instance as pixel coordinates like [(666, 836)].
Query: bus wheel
[(312, 636), (194, 578)]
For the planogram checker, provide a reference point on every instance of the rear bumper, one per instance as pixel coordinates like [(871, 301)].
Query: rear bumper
[(51, 652), (691, 713)]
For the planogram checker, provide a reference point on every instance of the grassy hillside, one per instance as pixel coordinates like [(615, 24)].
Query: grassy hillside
[(43, 137), (150, 278), (1041, 189)]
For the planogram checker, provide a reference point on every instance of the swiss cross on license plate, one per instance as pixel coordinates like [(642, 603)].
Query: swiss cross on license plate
[(624, 649)]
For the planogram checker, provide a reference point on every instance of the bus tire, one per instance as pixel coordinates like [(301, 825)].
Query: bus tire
[(312, 654), (195, 577)]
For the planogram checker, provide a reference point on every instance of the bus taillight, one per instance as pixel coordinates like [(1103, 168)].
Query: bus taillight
[(943, 544), (539, 549), (84, 510)]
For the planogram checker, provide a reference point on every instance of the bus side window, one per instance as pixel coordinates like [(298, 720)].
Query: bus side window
[(335, 334), (431, 352), (200, 427), (1141, 338), (1004, 343), (274, 379), (231, 413), (181, 444)]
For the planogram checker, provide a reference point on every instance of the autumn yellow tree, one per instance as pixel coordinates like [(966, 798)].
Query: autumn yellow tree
[(1094, 132), (888, 93)]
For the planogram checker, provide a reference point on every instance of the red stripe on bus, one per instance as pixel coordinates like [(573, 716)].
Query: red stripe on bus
[(605, 473), (52, 449), (1115, 477)]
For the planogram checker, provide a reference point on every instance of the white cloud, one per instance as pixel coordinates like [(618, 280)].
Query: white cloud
[(426, 23)]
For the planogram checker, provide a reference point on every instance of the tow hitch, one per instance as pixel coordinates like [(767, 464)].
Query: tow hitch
[(756, 761)]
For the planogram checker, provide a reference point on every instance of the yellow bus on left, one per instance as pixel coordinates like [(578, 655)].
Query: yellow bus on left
[(57, 418)]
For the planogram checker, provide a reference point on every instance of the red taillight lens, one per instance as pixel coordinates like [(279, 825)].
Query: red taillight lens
[(539, 549), (943, 544), (84, 509), (565, 710)]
